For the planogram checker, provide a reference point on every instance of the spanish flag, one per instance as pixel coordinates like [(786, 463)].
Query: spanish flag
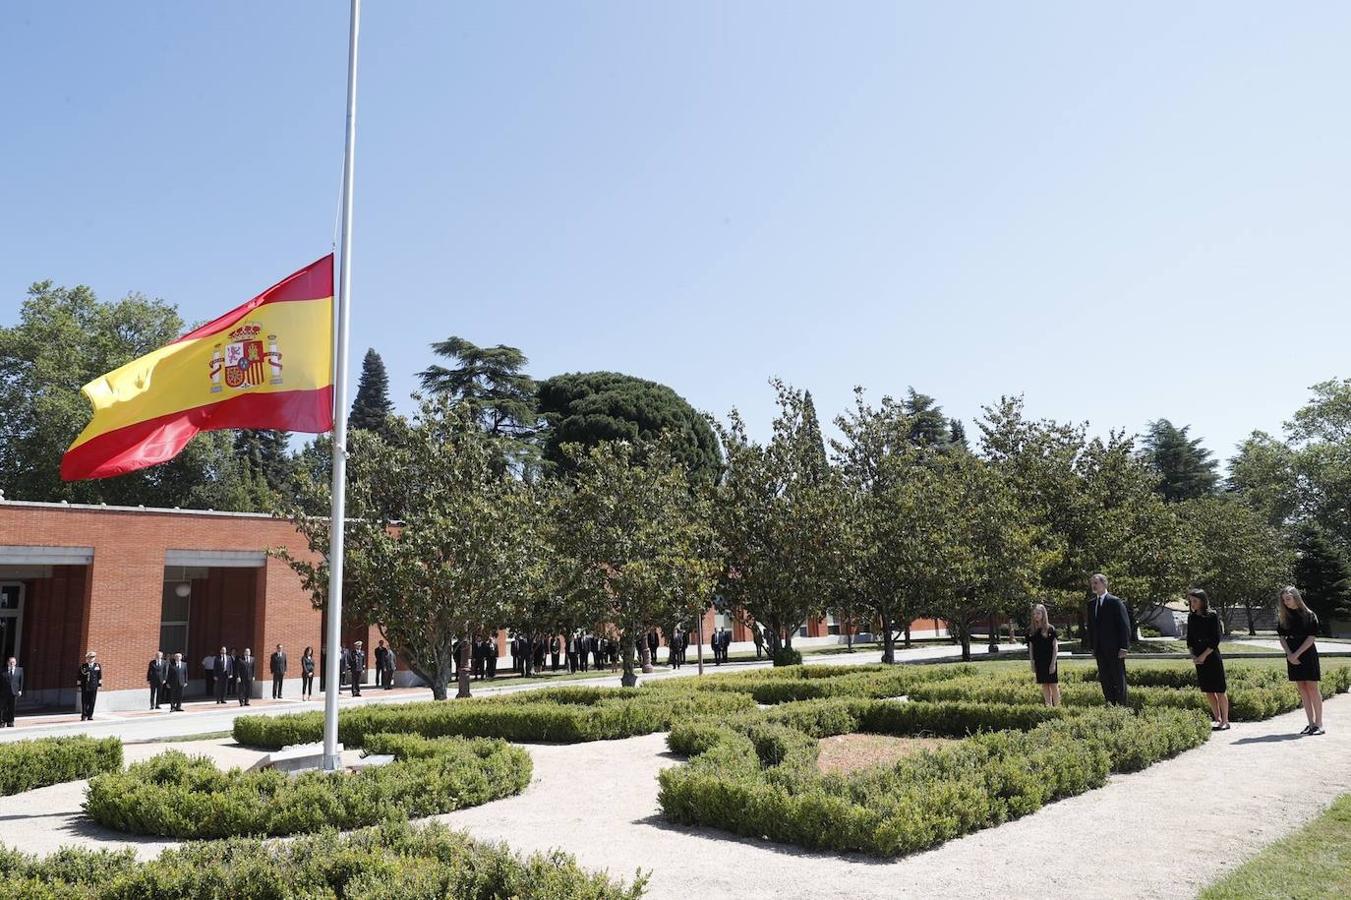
[(266, 364)]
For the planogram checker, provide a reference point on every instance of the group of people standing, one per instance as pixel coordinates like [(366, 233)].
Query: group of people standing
[(1109, 630)]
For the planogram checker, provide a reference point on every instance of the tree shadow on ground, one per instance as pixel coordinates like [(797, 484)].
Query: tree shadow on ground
[(1269, 739)]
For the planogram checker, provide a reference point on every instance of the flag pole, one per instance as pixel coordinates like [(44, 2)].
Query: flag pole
[(332, 761)]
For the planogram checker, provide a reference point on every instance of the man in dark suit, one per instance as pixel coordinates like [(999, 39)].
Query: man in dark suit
[(653, 642), (579, 651), (357, 667), (1109, 637), (276, 664), (244, 673), (90, 680), (11, 688), (555, 645), (222, 666), (490, 653), (154, 676), (176, 678)]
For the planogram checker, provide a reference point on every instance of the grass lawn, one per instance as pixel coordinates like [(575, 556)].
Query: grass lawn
[(1313, 862)]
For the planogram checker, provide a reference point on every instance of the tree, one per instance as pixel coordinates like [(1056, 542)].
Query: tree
[(1244, 561), (928, 425), (1185, 468), (266, 456), (372, 408), (490, 382), (65, 338), (1264, 474), (632, 536), (771, 514), (588, 408), (957, 434), (1323, 576), (1320, 435), (440, 542)]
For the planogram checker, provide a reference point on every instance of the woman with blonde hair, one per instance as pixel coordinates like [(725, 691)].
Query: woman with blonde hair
[(1043, 648), (1298, 625)]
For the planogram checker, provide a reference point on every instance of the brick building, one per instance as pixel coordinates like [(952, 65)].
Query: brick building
[(126, 582)]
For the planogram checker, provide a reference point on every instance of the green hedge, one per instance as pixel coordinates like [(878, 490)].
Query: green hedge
[(592, 716), (755, 775), (175, 795), (392, 860), (25, 765)]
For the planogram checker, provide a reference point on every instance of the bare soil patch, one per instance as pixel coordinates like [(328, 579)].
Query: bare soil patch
[(845, 753)]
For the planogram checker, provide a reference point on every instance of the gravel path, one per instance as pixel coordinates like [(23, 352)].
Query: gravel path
[(1164, 832)]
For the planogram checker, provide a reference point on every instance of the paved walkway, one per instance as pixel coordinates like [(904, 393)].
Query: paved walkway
[(1161, 833)]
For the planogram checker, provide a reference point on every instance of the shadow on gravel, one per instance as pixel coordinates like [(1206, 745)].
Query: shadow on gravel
[(658, 821), (1270, 739)]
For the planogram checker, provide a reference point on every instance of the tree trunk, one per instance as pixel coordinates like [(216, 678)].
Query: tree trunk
[(1252, 630), (907, 634), (629, 679), (466, 652), (965, 638), (888, 641)]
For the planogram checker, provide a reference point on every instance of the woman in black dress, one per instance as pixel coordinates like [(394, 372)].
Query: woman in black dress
[(307, 674), (1297, 629), (1203, 641), (1043, 649)]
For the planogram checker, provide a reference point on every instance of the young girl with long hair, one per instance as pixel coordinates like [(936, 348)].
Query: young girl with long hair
[(1043, 648), (1203, 641), (1297, 628)]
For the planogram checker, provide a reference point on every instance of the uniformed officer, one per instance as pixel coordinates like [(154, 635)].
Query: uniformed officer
[(90, 680)]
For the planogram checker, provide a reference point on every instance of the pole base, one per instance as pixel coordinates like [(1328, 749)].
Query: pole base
[(332, 762)]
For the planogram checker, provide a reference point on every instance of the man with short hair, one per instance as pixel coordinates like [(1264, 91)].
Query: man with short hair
[(1109, 637), (176, 678), (387, 665), (221, 666), (244, 673), (154, 676), (276, 664), (11, 689)]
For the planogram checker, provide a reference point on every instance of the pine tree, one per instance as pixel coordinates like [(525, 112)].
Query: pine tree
[(1323, 577), (1186, 470), (812, 443), (928, 425), (957, 435), (371, 408), (266, 455)]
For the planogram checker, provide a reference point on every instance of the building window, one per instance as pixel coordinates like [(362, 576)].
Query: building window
[(722, 620), (176, 608), (11, 620), (832, 623), (802, 630)]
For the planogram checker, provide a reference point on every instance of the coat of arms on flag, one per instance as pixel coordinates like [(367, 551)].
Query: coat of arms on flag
[(245, 360)]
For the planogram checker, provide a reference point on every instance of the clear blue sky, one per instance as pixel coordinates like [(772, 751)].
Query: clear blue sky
[(1124, 212)]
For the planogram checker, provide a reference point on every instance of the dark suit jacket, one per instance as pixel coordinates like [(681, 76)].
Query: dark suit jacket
[(356, 660), (11, 685), (277, 663), (154, 675), (1109, 628), (244, 668), (91, 677), (177, 675)]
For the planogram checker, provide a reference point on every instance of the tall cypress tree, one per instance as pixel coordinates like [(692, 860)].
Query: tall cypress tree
[(1323, 577), (1185, 468), (371, 408), (812, 442), (266, 456)]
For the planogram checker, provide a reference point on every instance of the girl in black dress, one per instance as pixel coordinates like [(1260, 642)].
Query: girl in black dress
[(1297, 628), (1203, 641), (307, 674), (1043, 649)]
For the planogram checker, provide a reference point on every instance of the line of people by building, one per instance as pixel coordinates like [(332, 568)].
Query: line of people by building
[(1109, 632)]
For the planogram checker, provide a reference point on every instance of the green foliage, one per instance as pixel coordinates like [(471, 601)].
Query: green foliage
[(371, 408), (1243, 560), (391, 860), (786, 656), (25, 765), (1323, 576), (589, 408), (175, 795), (1185, 469), (582, 714)]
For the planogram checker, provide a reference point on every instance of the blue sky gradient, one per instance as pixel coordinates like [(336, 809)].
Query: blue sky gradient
[(1124, 212)]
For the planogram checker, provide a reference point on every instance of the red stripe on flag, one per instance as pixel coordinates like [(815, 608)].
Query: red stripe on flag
[(314, 282), (161, 439)]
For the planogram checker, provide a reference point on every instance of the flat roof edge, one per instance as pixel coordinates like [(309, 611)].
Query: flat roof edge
[(138, 510)]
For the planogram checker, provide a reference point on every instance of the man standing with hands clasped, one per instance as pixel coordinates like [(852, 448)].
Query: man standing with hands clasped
[(1109, 636), (277, 666)]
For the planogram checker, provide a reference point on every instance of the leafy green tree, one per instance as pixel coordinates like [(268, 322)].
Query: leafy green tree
[(632, 537), (372, 407), (491, 383), (1323, 576), (1243, 560), (1264, 474), (771, 514), (440, 542), (65, 338), (1185, 468), (589, 408), (1320, 435)]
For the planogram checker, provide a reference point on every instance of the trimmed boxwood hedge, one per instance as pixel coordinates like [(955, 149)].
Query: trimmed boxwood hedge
[(561, 715), (175, 795), (392, 860), (25, 765), (755, 774)]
